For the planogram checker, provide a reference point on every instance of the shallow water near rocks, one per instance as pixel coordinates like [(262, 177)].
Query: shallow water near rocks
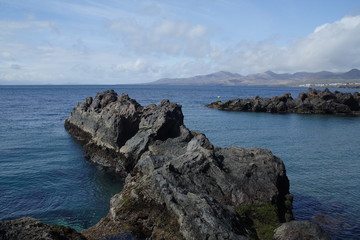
[(43, 173)]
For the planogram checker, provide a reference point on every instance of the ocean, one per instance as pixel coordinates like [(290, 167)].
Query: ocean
[(43, 173)]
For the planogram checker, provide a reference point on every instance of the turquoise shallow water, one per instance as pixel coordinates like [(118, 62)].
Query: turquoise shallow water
[(43, 173)]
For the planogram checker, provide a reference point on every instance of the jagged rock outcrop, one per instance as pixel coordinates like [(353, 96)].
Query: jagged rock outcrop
[(178, 185), (116, 130), (312, 102), (31, 229), (105, 123)]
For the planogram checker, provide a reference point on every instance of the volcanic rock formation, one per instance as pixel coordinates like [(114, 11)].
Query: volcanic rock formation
[(179, 186), (312, 102)]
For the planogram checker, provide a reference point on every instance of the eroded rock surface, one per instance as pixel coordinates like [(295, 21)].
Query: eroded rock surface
[(178, 185), (300, 230), (312, 102)]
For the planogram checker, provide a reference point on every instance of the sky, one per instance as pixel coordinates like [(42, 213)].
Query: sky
[(138, 41)]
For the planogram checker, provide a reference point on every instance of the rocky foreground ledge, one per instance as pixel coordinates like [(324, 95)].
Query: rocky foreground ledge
[(312, 102), (178, 185)]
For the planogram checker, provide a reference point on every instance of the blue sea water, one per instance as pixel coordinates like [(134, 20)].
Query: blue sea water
[(43, 173)]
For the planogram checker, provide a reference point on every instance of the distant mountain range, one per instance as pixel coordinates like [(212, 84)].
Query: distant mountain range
[(267, 78)]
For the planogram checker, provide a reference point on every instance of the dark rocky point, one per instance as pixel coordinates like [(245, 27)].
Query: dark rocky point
[(178, 185), (31, 229), (312, 102)]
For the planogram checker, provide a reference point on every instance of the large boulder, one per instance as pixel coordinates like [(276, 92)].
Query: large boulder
[(300, 230), (109, 119), (116, 130)]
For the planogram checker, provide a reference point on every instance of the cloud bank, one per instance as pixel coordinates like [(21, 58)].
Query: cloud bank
[(128, 49), (167, 37), (332, 46)]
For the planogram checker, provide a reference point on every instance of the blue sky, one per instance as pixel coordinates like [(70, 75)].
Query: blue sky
[(134, 41)]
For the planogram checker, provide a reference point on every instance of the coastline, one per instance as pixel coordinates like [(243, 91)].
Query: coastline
[(279, 118)]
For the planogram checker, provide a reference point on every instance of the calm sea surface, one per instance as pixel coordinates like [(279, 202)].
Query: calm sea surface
[(43, 173)]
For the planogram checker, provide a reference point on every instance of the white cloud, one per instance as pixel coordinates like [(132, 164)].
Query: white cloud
[(331, 46), (6, 55), (164, 37), (198, 31), (138, 65), (125, 25), (13, 26)]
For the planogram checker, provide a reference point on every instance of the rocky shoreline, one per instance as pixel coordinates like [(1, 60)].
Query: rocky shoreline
[(178, 185), (312, 102)]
